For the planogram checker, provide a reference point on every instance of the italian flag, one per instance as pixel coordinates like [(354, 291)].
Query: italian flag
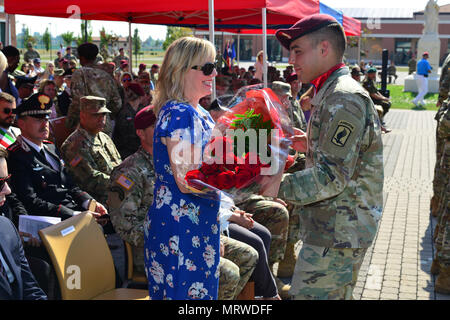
[(6, 139)]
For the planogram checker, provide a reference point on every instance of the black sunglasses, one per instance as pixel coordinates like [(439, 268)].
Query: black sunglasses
[(207, 68), (8, 111), (3, 181)]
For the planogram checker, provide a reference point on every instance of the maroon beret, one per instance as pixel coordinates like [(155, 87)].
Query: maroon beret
[(144, 118), (291, 77), (136, 88), (304, 26), (123, 62)]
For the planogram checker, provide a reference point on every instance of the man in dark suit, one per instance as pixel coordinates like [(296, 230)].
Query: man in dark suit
[(16, 279), (39, 177)]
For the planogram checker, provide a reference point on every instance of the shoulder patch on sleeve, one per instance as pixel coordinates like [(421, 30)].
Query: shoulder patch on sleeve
[(343, 131), (75, 161), (125, 182)]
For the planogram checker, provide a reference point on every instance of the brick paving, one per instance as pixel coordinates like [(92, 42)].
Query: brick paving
[(397, 265)]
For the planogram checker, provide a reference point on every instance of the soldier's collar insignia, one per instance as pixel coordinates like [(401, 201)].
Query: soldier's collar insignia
[(342, 133)]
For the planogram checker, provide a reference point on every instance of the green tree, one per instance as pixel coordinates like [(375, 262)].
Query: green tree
[(80, 40), (106, 40), (47, 39), (27, 38), (68, 38), (174, 33), (136, 44)]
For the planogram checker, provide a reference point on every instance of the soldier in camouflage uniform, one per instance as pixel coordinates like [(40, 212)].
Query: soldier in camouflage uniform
[(90, 79), (439, 180), (131, 187), (90, 154), (124, 135), (236, 266), (441, 263), (30, 54), (341, 188)]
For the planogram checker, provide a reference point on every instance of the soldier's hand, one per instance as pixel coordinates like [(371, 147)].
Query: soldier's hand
[(222, 249), (100, 209), (305, 103), (299, 141), (281, 201)]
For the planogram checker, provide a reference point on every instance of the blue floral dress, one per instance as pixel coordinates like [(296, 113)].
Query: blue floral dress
[(182, 237)]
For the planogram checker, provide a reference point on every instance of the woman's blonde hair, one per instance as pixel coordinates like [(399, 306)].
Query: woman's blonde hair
[(180, 57)]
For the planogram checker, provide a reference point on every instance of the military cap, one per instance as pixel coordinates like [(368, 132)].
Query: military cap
[(303, 27), (281, 88), (372, 70), (37, 60), (123, 62), (155, 66), (22, 80), (356, 71), (37, 105), (425, 54), (58, 72), (93, 104), (136, 88), (144, 118)]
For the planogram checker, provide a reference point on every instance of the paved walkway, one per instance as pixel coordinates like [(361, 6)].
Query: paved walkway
[(397, 266)]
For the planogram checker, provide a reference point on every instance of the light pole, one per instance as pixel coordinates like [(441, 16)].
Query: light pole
[(50, 32)]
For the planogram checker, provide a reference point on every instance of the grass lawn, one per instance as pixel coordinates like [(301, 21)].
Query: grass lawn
[(403, 100)]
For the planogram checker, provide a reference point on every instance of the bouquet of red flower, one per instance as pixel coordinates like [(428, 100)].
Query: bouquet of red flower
[(249, 150)]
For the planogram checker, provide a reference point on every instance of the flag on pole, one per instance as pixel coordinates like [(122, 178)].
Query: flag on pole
[(229, 54), (6, 139)]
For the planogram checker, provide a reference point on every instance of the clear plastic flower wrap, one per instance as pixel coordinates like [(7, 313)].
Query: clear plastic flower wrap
[(248, 150)]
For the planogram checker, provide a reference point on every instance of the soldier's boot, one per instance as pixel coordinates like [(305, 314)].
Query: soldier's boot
[(283, 289), (435, 267), (442, 284), (287, 265), (434, 206)]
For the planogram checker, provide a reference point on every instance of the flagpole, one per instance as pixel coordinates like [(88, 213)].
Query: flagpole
[(211, 38)]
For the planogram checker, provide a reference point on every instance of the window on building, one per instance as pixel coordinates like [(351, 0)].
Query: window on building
[(245, 49), (402, 51), (273, 49), (2, 32)]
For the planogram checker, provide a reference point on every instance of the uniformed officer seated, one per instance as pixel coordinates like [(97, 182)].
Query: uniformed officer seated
[(39, 177)]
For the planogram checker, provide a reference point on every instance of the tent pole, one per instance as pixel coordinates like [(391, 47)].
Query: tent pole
[(211, 38), (130, 46), (7, 31), (238, 47), (359, 50), (264, 24)]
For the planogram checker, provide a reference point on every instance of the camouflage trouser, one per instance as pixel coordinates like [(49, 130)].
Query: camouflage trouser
[(443, 239), (326, 273), (439, 179), (443, 174), (237, 255), (275, 217), (294, 223)]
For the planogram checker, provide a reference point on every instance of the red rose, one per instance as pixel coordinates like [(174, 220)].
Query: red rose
[(209, 169), (212, 181), (243, 177), (289, 162), (222, 143), (194, 174), (226, 180), (230, 161)]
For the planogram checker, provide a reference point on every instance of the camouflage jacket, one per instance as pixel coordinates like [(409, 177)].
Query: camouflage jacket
[(296, 115), (130, 195), (124, 136), (444, 125), (444, 81), (28, 56), (91, 80), (91, 160), (341, 187)]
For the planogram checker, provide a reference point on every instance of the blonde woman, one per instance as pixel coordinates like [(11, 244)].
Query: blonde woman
[(182, 238), (259, 66)]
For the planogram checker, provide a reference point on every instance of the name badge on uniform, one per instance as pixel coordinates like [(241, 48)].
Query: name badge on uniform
[(342, 133), (125, 182)]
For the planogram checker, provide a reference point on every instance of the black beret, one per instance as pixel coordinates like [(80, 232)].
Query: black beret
[(37, 105)]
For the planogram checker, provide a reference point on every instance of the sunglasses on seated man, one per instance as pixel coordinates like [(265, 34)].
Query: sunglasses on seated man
[(207, 68), (4, 180), (8, 111)]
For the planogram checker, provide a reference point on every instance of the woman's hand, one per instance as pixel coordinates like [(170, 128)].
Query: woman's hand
[(34, 242), (242, 218)]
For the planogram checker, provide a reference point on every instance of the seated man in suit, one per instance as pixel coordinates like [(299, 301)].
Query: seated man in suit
[(16, 280), (39, 177)]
